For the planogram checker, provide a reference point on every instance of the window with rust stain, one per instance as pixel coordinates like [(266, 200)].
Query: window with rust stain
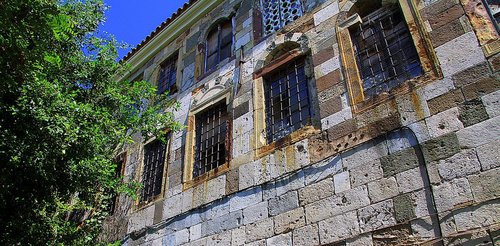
[(152, 175), (385, 53), (212, 139), (286, 100), (167, 76), (219, 43)]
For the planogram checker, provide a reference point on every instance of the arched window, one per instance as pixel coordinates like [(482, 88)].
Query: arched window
[(219, 43)]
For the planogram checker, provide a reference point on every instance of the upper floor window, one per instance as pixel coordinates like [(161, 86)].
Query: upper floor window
[(385, 53), (286, 100), (493, 8), (167, 77), (219, 44), (152, 175), (212, 139), (278, 13)]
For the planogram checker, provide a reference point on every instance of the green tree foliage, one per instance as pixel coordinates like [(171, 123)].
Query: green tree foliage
[(63, 117)]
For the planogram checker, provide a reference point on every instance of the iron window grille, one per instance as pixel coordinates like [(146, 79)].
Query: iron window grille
[(287, 100), (384, 49), (279, 13), (493, 8), (212, 139), (219, 43), (167, 77), (152, 175)]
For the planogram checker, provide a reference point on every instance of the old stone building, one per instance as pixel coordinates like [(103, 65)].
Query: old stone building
[(320, 122)]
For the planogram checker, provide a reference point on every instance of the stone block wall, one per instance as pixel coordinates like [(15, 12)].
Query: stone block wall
[(421, 166)]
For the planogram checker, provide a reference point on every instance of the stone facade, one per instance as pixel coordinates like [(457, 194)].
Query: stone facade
[(418, 164)]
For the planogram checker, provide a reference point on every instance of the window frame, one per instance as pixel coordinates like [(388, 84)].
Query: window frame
[(218, 25), (173, 60), (282, 20), (421, 40), (261, 143), (140, 172), (190, 147)]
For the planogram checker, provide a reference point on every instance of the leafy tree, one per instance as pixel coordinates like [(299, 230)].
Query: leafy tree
[(63, 117)]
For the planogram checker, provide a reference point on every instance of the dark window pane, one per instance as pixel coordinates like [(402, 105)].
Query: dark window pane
[(167, 77), (219, 44), (152, 176)]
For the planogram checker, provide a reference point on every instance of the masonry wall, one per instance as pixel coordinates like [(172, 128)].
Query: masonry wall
[(419, 166)]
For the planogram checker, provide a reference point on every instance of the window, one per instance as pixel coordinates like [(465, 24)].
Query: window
[(493, 8), (120, 163), (212, 139), (219, 44), (384, 49), (152, 175), (286, 100), (167, 77), (278, 13)]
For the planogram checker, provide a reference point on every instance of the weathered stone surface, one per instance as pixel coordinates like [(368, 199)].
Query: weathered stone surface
[(488, 155), (441, 147), (338, 228), (443, 35), (422, 199), (171, 206), (326, 13), (459, 165), (399, 162), (403, 208), (260, 230), (181, 237), (245, 199), (376, 216), (222, 223), (361, 240), (232, 182), (364, 154), (280, 240), (444, 122), (445, 101), (447, 16), (424, 228), (410, 180), (482, 87), (486, 185), (478, 216), (329, 107), (255, 213), (328, 80), (471, 75), (306, 236), (472, 112), (382, 189), (475, 135), (216, 188), (341, 182), (324, 169), (438, 88), (223, 238), (396, 235), (290, 220), (195, 232), (316, 191), (283, 203), (453, 60), (492, 103), (449, 194), (293, 182), (366, 173), (238, 236)]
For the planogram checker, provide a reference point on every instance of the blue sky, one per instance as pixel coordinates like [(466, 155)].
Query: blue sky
[(131, 21)]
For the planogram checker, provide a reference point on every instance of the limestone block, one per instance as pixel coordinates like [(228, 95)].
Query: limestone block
[(424, 228), (376, 216), (474, 136), (283, 203), (238, 236), (241, 144), (335, 119), (316, 191), (488, 155), (171, 206), (480, 216), (216, 188), (255, 213), (441, 147), (410, 180), (257, 243), (422, 199), (245, 199), (243, 124), (248, 174), (195, 232), (403, 208), (449, 194), (368, 172), (326, 13), (400, 140), (306, 236), (453, 60), (349, 200), (327, 66), (412, 107), (486, 185), (364, 154), (459, 165), (383, 189), (338, 228), (181, 237), (290, 220), (225, 222), (420, 130), (341, 182), (260, 230), (320, 210), (280, 240), (444, 122), (242, 41), (361, 240), (302, 153), (323, 169), (222, 239), (438, 88), (215, 210), (492, 103), (293, 182)]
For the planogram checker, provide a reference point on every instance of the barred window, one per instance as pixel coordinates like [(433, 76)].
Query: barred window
[(279, 13), (385, 52), (212, 139), (219, 44), (493, 8), (152, 175), (287, 100), (167, 77)]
